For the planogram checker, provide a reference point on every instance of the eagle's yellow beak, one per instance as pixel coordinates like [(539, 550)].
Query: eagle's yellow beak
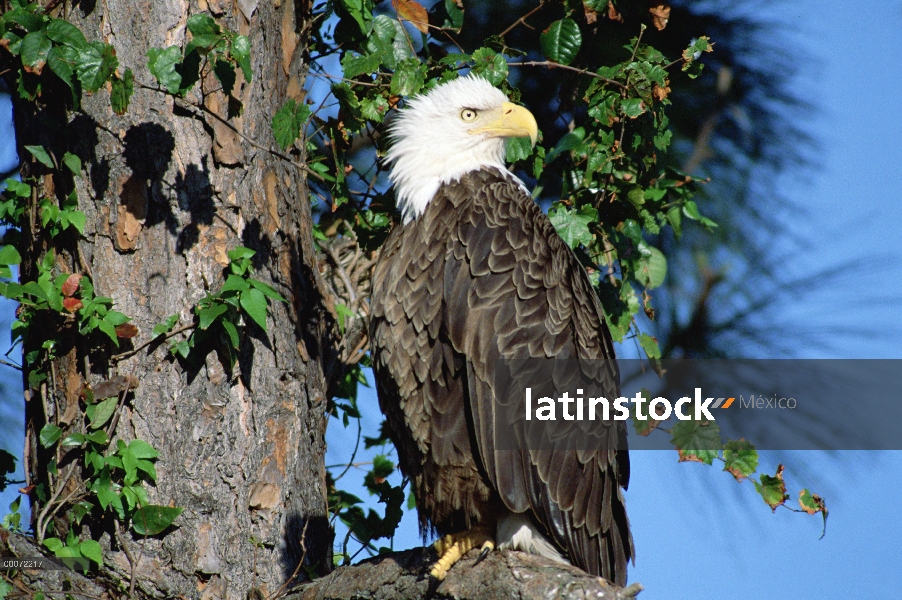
[(511, 120)]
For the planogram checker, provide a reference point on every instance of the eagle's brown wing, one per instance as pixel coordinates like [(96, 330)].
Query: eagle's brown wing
[(482, 276)]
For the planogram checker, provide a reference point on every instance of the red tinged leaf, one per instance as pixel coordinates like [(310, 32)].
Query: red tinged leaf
[(410, 10), (72, 304), (71, 286), (126, 330)]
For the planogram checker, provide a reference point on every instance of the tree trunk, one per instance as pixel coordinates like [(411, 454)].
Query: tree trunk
[(169, 188)]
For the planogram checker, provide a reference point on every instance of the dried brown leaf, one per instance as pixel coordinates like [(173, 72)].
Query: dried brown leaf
[(410, 10), (660, 14)]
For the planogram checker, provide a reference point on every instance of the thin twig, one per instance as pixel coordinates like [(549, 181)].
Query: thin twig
[(161, 338), (131, 560), (281, 591), (553, 65), (523, 19)]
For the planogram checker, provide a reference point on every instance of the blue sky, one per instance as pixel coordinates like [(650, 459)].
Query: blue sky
[(698, 534)]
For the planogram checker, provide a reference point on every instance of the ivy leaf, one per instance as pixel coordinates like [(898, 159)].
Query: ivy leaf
[(696, 441), (41, 155), (490, 65), (772, 489), (61, 65), (652, 267), (740, 458), (254, 304), (813, 504), (65, 33), (518, 149), (33, 51), (121, 91), (153, 519), (561, 41), (408, 78), (162, 64), (166, 326), (632, 107), (650, 345), (141, 449), (91, 549), (49, 435), (374, 108), (288, 121), (209, 315), (100, 413), (73, 162), (241, 52), (353, 66), (9, 255), (573, 225), (96, 63)]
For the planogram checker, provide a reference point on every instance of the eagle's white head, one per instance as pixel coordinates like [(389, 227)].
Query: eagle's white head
[(457, 127)]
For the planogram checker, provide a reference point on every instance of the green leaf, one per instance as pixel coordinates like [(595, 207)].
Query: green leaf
[(73, 162), (65, 33), (573, 225), (490, 65), (9, 255), (740, 458), (518, 149), (235, 283), (632, 107), (28, 18), (91, 549), (561, 41), (254, 304), (358, 65), (571, 141), (100, 413), (142, 449), (374, 108), (202, 24), (166, 326), (772, 489), (98, 437), (267, 290), (153, 519), (652, 267), (162, 65), (121, 91), (209, 315), (50, 433), (241, 52), (288, 121), (232, 332), (408, 78), (96, 63), (41, 155), (53, 544), (77, 220), (76, 439), (697, 441), (34, 49), (650, 345)]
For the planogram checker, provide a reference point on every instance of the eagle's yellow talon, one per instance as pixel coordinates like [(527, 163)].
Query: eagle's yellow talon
[(451, 548)]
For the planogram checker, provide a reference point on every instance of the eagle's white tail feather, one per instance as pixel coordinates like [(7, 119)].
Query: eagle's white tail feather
[(516, 532)]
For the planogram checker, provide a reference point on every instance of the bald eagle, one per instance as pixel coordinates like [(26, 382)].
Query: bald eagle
[(477, 274)]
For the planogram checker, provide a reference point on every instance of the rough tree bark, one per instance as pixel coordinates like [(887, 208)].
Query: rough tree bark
[(169, 190), (170, 187)]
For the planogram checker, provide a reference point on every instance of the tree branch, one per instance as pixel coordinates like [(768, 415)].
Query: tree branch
[(506, 574)]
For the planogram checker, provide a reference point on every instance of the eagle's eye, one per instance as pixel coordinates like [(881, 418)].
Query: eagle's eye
[(468, 114)]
